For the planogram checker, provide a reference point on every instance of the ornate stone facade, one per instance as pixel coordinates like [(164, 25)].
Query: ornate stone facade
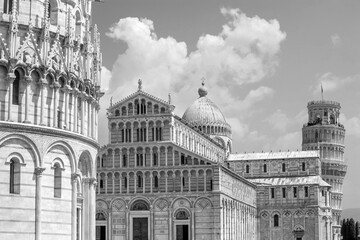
[(162, 177), (49, 91)]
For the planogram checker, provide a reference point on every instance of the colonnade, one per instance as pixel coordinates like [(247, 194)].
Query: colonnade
[(238, 220), (148, 181), (66, 107), (140, 107)]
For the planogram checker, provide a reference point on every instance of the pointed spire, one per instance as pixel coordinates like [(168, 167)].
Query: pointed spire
[(169, 98)]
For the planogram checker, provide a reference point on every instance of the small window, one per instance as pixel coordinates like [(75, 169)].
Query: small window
[(125, 182), (57, 181), (124, 161), (139, 183), (283, 167), (284, 192), (101, 183), (276, 220), (16, 89), (156, 181), (272, 192), (14, 183), (247, 169), (155, 159), (265, 168), (295, 192), (306, 191), (303, 166), (322, 193), (183, 182)]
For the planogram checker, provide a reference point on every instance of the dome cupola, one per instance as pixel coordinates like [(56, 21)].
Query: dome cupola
[(206, 116)]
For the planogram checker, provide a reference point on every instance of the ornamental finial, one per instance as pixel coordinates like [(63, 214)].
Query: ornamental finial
[(169, 98), (203, 90), (139, 85)]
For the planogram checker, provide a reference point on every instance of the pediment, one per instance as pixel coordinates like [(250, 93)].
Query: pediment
[(140, 97)]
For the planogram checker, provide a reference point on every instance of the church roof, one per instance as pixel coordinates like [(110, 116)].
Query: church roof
[(204, 112), (308, 180), (273, 155)]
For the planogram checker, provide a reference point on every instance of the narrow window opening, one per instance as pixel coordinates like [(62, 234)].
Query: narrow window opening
[(306, 189), (16, 89), (303, 166), (283, 166), (247, 169), (295, 192), (156, 181), (284, 192), (272, 192), (265, 168), (8, 6), (57, 181), (276, 220)]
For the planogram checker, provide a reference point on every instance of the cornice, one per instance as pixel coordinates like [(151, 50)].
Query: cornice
[(43, 130)]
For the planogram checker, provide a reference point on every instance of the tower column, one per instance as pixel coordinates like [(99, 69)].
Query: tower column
[(10, 78), (38, 214), (27, 86), (55, 87)]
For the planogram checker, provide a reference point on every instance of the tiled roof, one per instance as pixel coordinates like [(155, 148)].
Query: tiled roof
[(273, 155), (308, 180)]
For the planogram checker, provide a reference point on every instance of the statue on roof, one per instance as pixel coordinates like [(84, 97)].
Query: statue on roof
[(139, 85)]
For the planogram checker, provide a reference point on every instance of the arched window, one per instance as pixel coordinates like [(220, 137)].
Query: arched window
[(57, 180), (247, 169), (155, 159), (140, 205), (283, 167), (265, 168), (14, 183), (100, 216), (182, 215), (8, 4), (139, 181), (156, 182), (276, 220), (101, 184), (117, 112), (124, 161), (125, 182), (16, 89)]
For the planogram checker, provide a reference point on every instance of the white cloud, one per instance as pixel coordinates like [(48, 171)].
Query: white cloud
[(335, 39), (243, 52), (352, 125), (105, 78), (330, 82), (290, 141), (279, 121)]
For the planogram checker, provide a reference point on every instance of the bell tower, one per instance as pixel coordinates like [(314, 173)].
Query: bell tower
[(325, 133)]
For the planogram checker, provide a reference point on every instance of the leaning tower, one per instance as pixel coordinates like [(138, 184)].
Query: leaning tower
[(325, 133), (49, 101)]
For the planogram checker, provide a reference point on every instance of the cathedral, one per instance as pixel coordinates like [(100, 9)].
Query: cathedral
[(162, 176), (50, 89)]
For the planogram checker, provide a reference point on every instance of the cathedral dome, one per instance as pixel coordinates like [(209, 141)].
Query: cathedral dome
[(205, 115)]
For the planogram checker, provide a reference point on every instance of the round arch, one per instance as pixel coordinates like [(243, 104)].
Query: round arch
[(27, 141), (69, 151)]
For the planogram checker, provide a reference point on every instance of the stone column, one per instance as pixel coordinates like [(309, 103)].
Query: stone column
[(173, 157), (92, 208), (135, 182), (42, 84), (74, 177), (88, 102), (189, 180), (113, 159), (147, 131), (151, 157), (166, 156), (75, 125), (93, 119), (27, 83), (83, 114), (85, 210), (151, 182), (38, 172), (106, 184), (55, 87), (120, 183), (181, 182), (10, 78), (131, 132), (66, 90)]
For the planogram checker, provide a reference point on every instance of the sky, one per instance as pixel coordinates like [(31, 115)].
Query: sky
[(262, 61)]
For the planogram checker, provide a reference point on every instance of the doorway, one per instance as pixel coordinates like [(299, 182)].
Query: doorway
[(100, 232), (182, 232), (140, 228)]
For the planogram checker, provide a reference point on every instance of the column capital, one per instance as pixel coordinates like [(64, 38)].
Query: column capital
[(55, 85), (42, 82), (39, 171), (66, 88), (27, 80), (93, 181), (11, 77), (74, 176)]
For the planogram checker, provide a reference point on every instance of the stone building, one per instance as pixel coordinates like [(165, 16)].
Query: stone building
[(326, 134), (293, 201), (163, 177), (49, 92)]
